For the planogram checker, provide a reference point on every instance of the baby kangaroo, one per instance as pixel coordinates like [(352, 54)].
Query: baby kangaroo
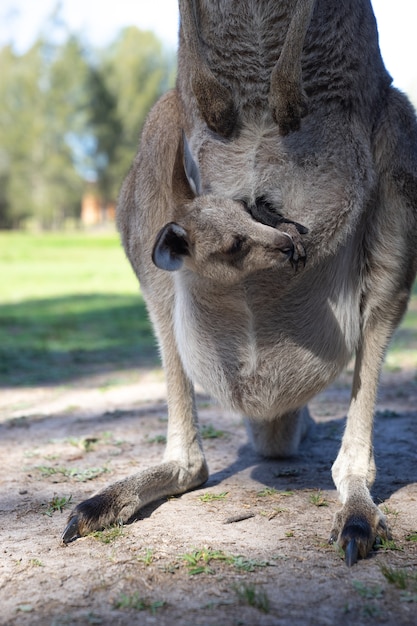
[(204, 245)]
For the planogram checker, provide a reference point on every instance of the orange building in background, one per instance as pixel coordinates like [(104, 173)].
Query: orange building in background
[(94, 212)]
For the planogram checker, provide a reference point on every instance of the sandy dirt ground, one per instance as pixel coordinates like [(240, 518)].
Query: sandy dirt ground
[(248, 548)]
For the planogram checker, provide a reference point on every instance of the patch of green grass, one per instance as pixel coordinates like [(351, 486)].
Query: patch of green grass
[(210, 497), (24, 608), (400, 578), (157, 439), (253, 596), (81, 475), (372, 593), (247, 565), (276, 510), (388, 511), (406, 596), (35, 563), (411, 537), (57, 504), (84, 443), (371, 611), (318, 499), (170, 568), (51, 264), (108, 535), (397, 577), (147, 558), (136, 602), (208, 431), (388, 544), (198, 561), (402, 352), (70, 305), (368, 591), (268, 492)]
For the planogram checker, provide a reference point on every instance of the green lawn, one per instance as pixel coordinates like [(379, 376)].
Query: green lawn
[(403, 349), (69, 305)]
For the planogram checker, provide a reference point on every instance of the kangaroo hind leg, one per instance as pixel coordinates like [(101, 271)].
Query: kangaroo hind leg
[(390, 247)]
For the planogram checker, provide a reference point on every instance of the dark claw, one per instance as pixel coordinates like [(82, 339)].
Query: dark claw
[(351, 553), (296, 258), (71, 532), (301, 229)]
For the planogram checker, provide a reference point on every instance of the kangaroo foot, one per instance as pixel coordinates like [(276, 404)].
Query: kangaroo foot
[(121, 501), (96, 513), (356, 529)]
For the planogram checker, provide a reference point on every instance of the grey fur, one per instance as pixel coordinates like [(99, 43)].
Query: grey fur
[(216, 102), (266, 341)]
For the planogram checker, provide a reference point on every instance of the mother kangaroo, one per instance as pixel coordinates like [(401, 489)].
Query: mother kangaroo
[(292, 120)]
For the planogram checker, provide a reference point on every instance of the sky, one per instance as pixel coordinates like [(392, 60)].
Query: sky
[(99, 22)]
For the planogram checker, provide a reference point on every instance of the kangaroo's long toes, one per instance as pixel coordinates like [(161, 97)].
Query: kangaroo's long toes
[(298, 256), (351, 553), (96, 513), (358, 533)]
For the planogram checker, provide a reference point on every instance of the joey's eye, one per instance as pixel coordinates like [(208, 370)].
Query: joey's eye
[(237, 245)]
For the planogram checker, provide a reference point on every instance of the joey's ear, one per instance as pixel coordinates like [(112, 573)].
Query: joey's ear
[(170, 248), (186, 176)]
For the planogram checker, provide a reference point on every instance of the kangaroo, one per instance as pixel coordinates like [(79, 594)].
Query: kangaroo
[(346, 171)]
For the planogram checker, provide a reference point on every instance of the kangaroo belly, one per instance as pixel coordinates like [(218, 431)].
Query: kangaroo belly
[(265, 351)]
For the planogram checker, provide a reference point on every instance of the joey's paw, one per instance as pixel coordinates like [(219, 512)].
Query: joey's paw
[(356, 533), (93, 514), (298, 254)]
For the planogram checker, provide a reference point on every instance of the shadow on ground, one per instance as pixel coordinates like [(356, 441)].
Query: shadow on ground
[(53, 341)]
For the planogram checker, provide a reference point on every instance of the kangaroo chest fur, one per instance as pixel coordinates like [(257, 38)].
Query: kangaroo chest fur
[(256, 346), (269, 344)]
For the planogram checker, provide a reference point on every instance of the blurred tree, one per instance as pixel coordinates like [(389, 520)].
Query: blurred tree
[(18, 125), (65, 115), (42, 95), (68, 117), (99, 149), (136, 71)]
